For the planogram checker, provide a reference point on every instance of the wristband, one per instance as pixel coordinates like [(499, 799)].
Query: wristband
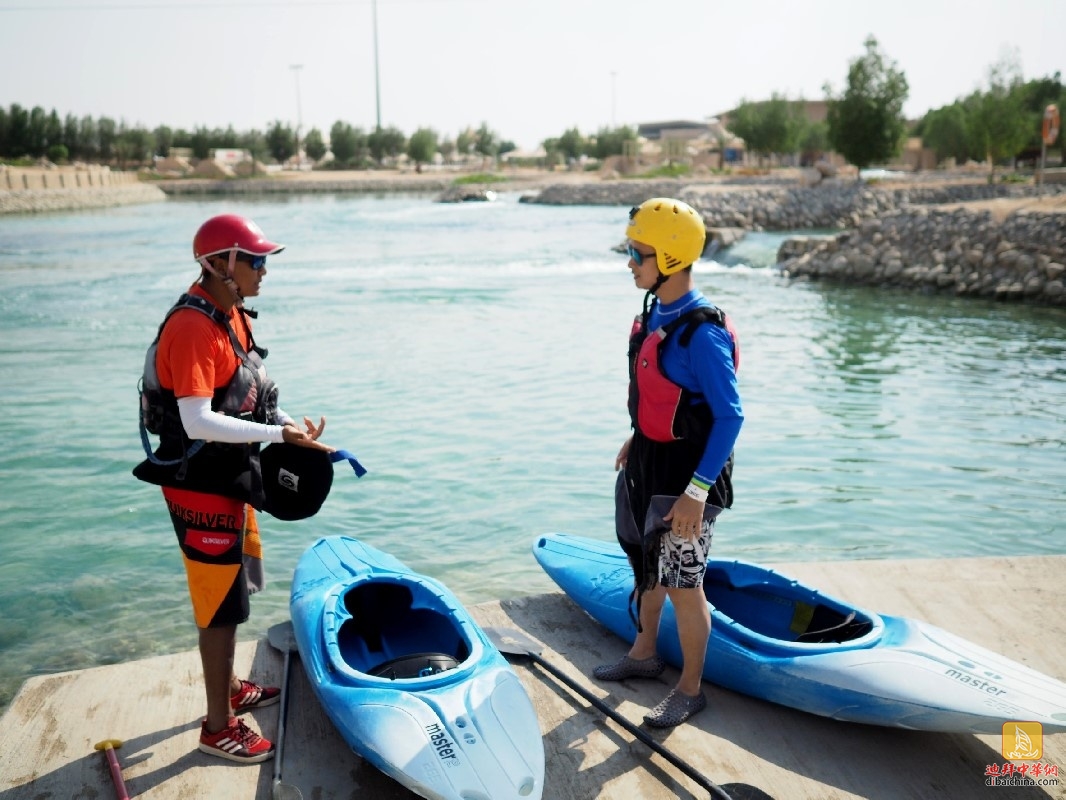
[(696, 492)]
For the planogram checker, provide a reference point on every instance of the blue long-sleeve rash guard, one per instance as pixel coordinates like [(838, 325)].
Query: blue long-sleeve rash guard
[(704, 367)]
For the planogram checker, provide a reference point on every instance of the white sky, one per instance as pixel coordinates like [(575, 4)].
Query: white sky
[(529, 69)]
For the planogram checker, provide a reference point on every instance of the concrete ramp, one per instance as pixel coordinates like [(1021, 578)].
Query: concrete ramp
[(752, 748)]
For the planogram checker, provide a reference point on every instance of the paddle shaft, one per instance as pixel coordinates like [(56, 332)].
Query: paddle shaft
[(116, 773), (715, 790), (282, 714)]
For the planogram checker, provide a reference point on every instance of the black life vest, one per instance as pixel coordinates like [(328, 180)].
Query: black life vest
[(231, 470)]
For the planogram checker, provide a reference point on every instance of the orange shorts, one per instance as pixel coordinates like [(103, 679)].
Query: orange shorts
[(213, 532)]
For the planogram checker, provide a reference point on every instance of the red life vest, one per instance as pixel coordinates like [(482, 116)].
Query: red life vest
[(659, 408)]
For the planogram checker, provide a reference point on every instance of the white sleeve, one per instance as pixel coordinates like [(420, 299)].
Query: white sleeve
[(200, 422)]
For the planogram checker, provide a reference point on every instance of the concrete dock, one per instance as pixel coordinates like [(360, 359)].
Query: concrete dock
[(752, 748)]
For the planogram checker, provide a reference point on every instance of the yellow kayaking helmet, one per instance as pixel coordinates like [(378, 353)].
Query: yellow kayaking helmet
[(675, 229)]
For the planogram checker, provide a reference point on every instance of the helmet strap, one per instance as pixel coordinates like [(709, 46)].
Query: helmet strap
[(227, 280)]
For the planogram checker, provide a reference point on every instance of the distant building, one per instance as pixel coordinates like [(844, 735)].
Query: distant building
[(230, 156), (702, 142), (687, 130)]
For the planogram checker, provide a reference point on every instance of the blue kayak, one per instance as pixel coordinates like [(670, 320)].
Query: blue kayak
[(778, 640), (409, 679)]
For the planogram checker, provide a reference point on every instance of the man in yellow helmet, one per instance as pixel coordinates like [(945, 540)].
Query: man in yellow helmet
[(676, 467)]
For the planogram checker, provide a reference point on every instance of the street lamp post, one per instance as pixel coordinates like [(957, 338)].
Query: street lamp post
[(377, 79), (613, 76), (299, 112)]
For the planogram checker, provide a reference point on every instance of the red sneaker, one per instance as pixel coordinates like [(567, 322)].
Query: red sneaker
[(236, 742), (252, 695)]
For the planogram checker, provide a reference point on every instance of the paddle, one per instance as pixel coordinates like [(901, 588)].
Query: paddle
[(108, 747), (281, 638), (516, 643)]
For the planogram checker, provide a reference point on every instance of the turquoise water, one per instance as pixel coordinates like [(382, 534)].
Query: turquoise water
[(473, 357)]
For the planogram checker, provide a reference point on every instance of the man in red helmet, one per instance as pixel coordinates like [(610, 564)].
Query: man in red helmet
[(212, 404)]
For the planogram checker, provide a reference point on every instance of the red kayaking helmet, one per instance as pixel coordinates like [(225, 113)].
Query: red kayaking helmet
[(229, 232)]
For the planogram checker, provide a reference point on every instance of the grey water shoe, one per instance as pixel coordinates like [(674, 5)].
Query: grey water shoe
[(627, 667), (675, 708)]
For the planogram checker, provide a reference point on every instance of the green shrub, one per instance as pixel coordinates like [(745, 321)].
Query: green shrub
[(479, 177), (667, 171)]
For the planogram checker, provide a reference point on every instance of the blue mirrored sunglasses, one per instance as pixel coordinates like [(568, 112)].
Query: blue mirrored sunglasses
[(638, 256), (255, 262)]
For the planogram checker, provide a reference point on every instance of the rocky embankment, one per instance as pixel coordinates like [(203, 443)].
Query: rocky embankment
[(915, 235), (962, 251)]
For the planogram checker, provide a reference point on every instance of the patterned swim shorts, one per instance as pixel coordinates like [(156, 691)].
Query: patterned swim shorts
[(210, 531), (683, 561)]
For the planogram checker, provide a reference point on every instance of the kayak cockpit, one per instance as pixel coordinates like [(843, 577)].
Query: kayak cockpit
[(775, 610), (396, 629)]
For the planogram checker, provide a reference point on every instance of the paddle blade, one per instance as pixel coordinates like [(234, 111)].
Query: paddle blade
[(511, 641), (286, 791), (282, 637)]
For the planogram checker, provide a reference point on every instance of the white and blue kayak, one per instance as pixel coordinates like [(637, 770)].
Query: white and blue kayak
[(778, 640), (409, 680)]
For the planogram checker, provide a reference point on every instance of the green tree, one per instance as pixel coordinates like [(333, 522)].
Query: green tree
[(446, 148), (53, 131), (767, 127), (486, 142), (1036, 96), (570, 146), (314, 145), (106, 132), (71, 136), (281, 141), (1001, 125), (813, 140), (164, 140), (18, 126), (422, 146), (866, 124), (348, 144), (36, 141), (946, 131), (133, 145), (610, 142), (386, 143), (5, 132), (227, 139), (255, 143), (200, 143), (88, 138), (465, 141)]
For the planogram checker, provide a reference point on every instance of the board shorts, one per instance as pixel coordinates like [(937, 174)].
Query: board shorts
[(219, 541), (680, 562)]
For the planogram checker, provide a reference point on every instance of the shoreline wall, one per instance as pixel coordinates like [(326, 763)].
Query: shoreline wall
[(32, 190), (38, 201), (177, 188)]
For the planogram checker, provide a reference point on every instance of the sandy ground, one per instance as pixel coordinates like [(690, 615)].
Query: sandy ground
[(1003, 207)]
